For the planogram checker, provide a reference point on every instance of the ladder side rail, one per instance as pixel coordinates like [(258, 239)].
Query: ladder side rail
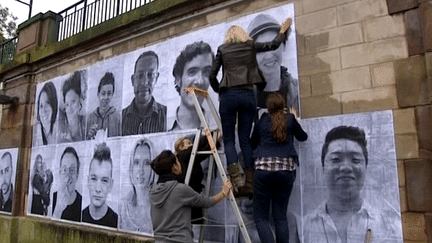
[(232, 200), (204, 122), (207, 192), (193, 155)]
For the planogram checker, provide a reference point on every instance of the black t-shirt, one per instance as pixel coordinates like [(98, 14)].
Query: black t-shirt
[(7, 206), (110, 219), (72, 212)]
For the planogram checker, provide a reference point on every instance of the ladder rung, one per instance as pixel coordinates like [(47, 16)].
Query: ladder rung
[(209, 152)]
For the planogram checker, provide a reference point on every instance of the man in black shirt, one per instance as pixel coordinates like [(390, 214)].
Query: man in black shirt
[(100, 183), (67, 200), (6, 194)]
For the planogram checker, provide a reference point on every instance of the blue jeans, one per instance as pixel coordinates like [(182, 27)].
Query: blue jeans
[(275, 188), (237, 103)]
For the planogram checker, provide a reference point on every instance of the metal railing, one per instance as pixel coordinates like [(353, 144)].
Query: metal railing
[(77, 18), (89, 13), (8, 50)]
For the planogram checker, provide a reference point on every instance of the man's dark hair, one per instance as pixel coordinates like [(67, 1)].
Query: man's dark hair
[(164, 162), (354, 134), (72, 151), (145, 54), (102, 153), (10, 157), (189, 53), (107, 79)]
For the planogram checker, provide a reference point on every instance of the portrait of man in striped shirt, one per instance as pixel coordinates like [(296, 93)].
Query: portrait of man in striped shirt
[(144, 114)]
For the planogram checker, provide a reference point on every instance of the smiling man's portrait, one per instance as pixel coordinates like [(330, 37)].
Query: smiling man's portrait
[(6, 195), (144, 114), (346, 216), (192, 68)]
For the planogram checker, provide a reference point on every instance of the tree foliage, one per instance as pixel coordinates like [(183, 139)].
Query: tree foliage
[(8, 25)]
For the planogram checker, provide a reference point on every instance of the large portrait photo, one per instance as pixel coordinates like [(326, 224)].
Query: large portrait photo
[(72, 107), (101, 183), (8, 168), (104, 99), (349, 179), (108, 120), (67, 191), (137, 177), (144, 96), (41, 180), (46, 113)]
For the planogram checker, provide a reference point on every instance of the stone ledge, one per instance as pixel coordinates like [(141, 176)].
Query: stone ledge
[(39, 230)]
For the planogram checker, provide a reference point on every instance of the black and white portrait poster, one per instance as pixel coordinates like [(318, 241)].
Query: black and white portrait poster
[(349, 181), (68, 167), (101, 183), (8, 167), (46, 112), (97, 128), (105, 91), (41, 180)]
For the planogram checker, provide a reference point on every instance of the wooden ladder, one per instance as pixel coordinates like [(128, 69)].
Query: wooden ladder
[(193, 92)]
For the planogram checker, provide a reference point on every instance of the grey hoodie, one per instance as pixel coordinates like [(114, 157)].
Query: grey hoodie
[(170, 210)]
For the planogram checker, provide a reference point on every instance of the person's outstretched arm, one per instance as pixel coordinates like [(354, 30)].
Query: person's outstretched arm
[(217, 63), (226, 188), (277, 41)]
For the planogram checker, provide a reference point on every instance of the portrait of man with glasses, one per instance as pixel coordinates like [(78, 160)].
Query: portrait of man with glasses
[(144, 114), (67, 200)]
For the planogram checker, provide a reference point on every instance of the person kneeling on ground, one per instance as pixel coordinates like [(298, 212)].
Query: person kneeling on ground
[(171, 201)]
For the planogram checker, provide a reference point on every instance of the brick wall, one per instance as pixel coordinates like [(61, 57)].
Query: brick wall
[(367, 55)]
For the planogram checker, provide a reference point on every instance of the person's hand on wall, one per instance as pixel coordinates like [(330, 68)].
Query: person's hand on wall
[(285, 25), (293, 111)]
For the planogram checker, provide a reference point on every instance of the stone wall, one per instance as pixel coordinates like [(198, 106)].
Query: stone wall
[(353, 56)]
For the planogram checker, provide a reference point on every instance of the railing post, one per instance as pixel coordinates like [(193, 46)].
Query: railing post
[(2, 49), (118, 7), (84, 15)]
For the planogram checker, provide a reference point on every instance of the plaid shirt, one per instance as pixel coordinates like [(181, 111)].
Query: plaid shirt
[(135, 123), (275, 164)]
